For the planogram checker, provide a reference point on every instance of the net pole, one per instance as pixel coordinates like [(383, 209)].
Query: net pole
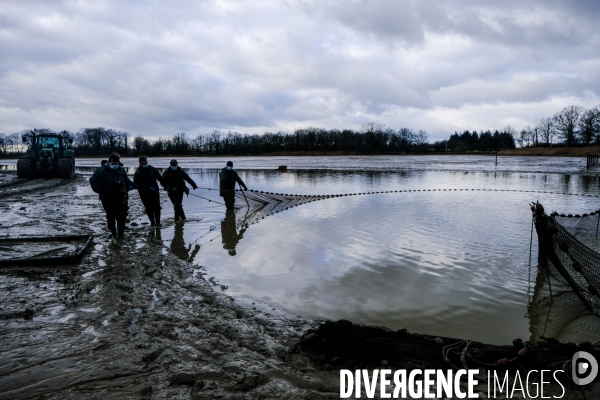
[(248, 204), (530, 242)]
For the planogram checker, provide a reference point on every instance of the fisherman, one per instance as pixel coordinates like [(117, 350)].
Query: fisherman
[(174, 178), (112, 184), (145, 179), (228, 177), (103, 162)]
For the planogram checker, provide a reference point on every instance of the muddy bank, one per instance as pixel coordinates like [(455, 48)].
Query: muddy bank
[(131, 320)]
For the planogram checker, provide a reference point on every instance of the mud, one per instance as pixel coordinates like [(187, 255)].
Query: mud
[(131, 320)]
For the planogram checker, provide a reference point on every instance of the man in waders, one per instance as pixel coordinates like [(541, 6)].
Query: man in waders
[(112, 184), (145, 180), (227, 178), (175, 179)]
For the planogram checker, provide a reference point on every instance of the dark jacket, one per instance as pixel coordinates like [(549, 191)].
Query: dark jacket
[(109, 183), (145, 178), (175, 180), (227, 180)]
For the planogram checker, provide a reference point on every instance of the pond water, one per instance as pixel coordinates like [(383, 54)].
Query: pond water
[(444, 261)]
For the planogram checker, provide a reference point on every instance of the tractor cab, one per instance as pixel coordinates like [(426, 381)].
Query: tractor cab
[(47, 155)]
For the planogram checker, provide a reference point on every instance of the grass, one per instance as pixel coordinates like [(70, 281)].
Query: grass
[(551, 151)]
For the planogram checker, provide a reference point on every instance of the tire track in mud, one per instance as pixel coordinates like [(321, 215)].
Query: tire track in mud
[(131, 320), (18, 186)]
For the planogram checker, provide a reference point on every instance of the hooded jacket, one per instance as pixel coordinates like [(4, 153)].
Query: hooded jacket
[(111, 183), (145, 178), (227, 180), (175, 180)]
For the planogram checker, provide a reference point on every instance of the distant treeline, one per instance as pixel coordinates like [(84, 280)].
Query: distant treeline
[(484, 141), (571, 126), (372, 139)]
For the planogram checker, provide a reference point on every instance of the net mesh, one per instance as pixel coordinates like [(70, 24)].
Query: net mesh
[(566, 258)]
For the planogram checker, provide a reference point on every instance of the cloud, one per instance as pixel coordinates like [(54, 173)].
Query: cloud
[(155, 69)]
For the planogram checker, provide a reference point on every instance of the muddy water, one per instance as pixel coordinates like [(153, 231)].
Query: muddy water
[(454, 262)]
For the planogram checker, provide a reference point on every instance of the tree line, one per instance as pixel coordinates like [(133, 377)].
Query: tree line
[(571, 126), (371, 139)]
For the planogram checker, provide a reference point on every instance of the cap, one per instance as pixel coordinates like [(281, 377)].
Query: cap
[(230, 163), (173, 162), (114, 157), (143, 158)]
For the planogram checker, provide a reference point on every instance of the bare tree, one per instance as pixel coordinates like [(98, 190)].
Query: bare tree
[(525, 137), (421, 138), (406, 137), (567, 122), (546, 129), (589, 126), (520, 138)]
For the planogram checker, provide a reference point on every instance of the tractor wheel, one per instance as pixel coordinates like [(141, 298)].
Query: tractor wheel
[(25, 167), (66, 168)]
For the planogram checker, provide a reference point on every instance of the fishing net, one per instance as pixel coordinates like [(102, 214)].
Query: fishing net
[(566, 258), (554, 311), (344, 345), (584, 227)]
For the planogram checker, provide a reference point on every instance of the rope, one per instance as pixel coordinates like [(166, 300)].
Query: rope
[(213, 201)]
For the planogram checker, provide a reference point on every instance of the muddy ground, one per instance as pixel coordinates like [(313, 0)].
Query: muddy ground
[(131, 320)]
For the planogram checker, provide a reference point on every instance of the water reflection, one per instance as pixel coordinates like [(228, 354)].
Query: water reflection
[(440, 261), (186, 252), (229, 233)]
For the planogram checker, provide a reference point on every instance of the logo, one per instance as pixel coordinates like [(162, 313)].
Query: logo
[(584, 368)]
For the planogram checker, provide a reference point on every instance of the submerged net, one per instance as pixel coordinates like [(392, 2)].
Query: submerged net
[(566, 258), (262, 203), (554, 311)]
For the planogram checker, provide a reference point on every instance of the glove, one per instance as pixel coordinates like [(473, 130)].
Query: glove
[(195, 187), (245, 188), (152, 189)]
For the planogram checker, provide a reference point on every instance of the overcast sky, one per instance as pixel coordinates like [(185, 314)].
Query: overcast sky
[(156, 68)]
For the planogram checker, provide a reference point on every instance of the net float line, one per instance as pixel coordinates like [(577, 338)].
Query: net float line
[(264, 203)]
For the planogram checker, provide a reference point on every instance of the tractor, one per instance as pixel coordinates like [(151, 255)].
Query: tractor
[(47, 155)]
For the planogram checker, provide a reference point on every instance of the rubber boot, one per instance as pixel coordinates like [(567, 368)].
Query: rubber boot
[(182, 214), (176, 214), (112, 229), (150, 217), (157, 217), (120, 230)]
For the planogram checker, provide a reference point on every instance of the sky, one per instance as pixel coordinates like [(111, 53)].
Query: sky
[(157, 68)]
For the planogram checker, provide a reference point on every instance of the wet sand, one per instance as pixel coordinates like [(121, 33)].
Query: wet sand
[(131, 320)]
